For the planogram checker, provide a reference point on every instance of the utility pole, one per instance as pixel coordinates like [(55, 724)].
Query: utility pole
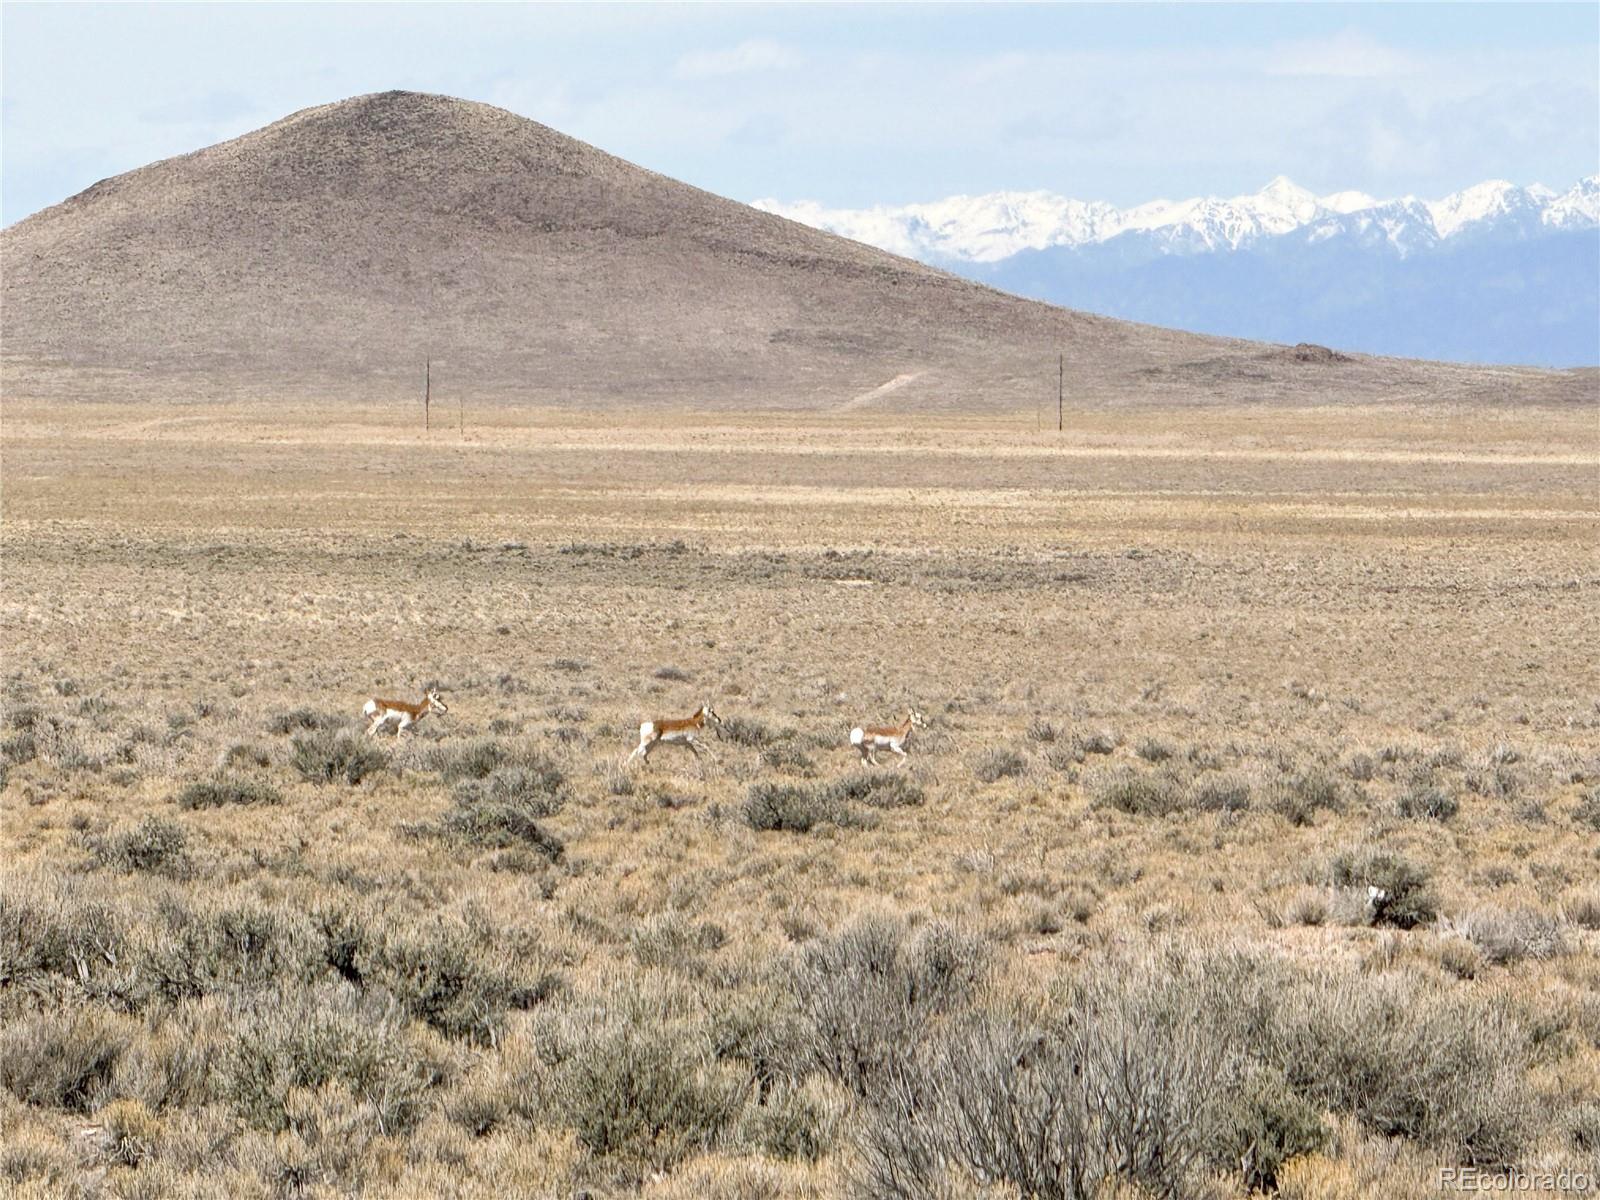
[(1061, 386), (427, 393)]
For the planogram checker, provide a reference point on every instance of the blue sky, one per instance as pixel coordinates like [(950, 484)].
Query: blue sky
[(851, 106)]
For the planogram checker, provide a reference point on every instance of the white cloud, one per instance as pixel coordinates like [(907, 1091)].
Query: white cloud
[(1396, 142), (756, 54), (1347, 55)]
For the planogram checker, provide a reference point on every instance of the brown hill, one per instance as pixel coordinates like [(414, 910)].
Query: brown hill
[(331, 252)]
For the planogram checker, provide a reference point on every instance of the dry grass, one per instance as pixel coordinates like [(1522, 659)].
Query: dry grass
[(1194, 686)]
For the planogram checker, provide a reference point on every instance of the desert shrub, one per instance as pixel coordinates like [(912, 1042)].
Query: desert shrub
[(1062, 757), (1140, 795), (749, 732), (532, 863), (1070, 750), (244, 754), (1509, 936), (1583, 1126), (1583, 910), (1361, 768), (170, 1065), (1264, 1124), (227, 946), (868, 994), (1153, 750), (225, 789), (155, 845), (997, 763), (23, 716), (568, 714), (1406, 897), (1446, 1069), (642, 1095), (1351, 905), (1219, 794), (1045, 920), (477, 759), (297, 720), (327, 757), (1405, 1055), (62, 1059), (1081, 902), (672, 940), (1308, 906), (345, 933), (68, 753), (1020, 882), (1460, 958), (1099, 742), (533, 784), (1427, 803), (876, 789), (797, 1121), (51, 935), (761, 1028), (298, 1040), (444, 976), (498, 826), (180, 728), (130, 1132), (1446, 757), (1040, 730), (787, 756), (1587, 810), (1299, 798), (479, 1110), (1533, 811), (1498, 782), (1118, 1089), (19, 748), (32, 1155), (788, 807), (672, 674), (668, 799)]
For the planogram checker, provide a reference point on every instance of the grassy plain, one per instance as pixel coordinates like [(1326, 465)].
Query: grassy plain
[(1197, 680)]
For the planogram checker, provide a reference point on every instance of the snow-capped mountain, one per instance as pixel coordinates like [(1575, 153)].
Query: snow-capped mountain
[(1578, 208), (1494, 272), (988, 228), (1405, 227)]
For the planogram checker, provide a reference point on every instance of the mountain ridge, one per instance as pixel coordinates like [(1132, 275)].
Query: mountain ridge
[(994, 225), (331, 253), (1493, 273)]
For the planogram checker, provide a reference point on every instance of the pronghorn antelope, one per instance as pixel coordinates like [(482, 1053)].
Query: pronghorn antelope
[(679, 731), (381, 710), (869, 739)]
